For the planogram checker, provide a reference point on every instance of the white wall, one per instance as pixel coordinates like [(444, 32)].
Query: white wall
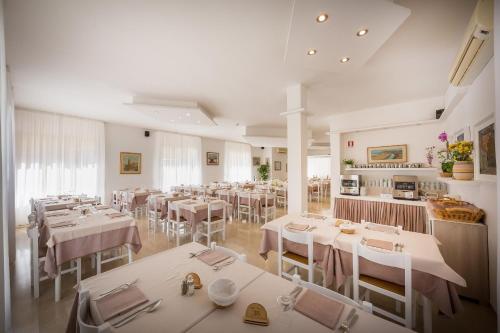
[(417, 138), (212, 173), (497, 127), (282, 158), (478, 104), (121, 138)]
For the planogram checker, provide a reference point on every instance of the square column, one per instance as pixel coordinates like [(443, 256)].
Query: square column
[(297, 140)]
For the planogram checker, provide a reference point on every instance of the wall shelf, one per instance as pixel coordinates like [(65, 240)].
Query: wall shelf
[(475, 182), (393, 169)]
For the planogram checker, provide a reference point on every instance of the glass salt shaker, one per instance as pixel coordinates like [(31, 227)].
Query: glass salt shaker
[(190, 285)]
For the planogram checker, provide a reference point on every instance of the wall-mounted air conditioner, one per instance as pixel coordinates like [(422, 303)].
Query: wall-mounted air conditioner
[(477, 47)]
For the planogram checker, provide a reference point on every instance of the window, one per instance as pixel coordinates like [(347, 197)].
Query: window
[(56, 154), (318, 166), (237, 162), (177, 160)]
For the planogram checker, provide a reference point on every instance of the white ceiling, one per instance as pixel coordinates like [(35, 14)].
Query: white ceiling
[(86, 58)]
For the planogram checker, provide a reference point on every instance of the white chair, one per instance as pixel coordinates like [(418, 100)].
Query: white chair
[(267, 207), (226, 196), (282, 197), (364, 305), (83, 316), (176, 224), (213, 223), (315, 192), (240, 256), (244, 202), (154, 211), (403, 294), (297, 261), (103, 257)]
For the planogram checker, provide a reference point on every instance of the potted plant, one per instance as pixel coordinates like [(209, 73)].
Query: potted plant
[(445, 157), (263, 171), (463, 168), (348, 162)]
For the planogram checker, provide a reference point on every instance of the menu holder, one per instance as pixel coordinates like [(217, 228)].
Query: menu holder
[(196, 280), (256, 314)]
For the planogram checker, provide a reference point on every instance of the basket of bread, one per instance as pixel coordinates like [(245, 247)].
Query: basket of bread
[(456, 210)]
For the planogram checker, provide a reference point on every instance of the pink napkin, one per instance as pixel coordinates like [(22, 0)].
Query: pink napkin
[(115, 215), (120, 302), (381, 244), (212, 257), (322, 309), (102, 207), (66, 222), (57, 213), (297, 227), (381, 228)]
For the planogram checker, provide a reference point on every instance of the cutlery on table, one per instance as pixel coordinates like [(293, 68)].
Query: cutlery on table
[(63, 226), (195, 254), (218, 267), (346, 324), (145, 309), (119, 288)]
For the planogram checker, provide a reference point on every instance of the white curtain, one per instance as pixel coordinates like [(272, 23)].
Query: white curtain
[(237, 162), (177, 160), (318, 166), (57, 154)]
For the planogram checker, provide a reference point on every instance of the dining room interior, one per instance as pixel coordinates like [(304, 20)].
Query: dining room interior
[(249, 166)]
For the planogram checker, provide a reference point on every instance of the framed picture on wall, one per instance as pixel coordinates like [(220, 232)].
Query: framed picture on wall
[(212, 158), (130, 163), (485, 150), (277, 166), (388, 154), (256, 161)]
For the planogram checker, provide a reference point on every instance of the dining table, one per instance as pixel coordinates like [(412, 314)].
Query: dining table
[(163, 200), (431, 276), (160, 276), (57, 203), (70, 234), (195, 210)]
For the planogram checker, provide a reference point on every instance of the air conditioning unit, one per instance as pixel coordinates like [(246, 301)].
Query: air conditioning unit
[(477, 47)]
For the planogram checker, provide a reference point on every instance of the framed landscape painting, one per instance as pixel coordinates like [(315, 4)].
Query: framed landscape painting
[(130, 163), (212, 158), (256, 161), (388, 154), (485, 149)]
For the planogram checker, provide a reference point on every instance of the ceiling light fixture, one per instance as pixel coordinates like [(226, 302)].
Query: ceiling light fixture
[(311, 52), (188, 114), (322, 18), (362, 32), (344, 60)]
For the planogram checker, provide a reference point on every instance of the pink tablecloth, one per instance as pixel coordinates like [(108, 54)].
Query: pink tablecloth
[(412, 218), (323, 254), (82, 246)]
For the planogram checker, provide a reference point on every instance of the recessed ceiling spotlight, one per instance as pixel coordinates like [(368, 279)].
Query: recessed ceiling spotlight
[(171, 120), (197, 121), (322, 18), (362, 32), (311, 52), (188, 114), (344, 60)]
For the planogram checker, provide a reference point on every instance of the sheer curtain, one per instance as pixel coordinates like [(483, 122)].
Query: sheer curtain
[(57, 154), (237, 162), (177, 160), (318, 166)]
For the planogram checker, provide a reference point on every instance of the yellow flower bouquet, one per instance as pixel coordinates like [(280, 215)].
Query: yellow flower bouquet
[(461, 151)]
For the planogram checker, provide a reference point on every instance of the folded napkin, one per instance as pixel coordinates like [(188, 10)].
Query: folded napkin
[(115, 215), (381, 228), (188, 203), (120, 302), (322, 309), (57, 213), (62, 223), (212, 257), (297, 226), (381, 244), (100, 207)]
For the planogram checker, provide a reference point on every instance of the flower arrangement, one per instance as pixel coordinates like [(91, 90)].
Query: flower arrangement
[(461, 151), (430, 154), (348, 161), (444, 155)]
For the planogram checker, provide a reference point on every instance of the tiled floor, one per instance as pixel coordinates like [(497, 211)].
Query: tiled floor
[(43, 315)]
